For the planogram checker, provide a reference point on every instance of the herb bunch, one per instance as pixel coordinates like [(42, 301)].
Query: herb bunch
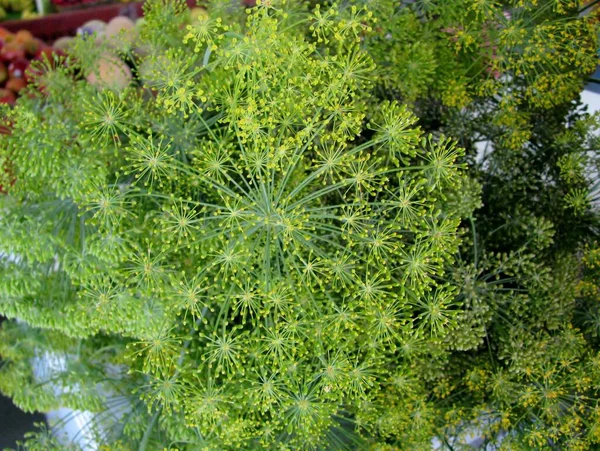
[(229, 247), (503, 78)]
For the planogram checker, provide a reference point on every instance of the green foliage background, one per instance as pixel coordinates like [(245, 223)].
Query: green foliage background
[(282, 235)]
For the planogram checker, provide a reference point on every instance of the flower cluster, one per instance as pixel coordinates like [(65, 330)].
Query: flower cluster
[(229, 234), (345, 225)]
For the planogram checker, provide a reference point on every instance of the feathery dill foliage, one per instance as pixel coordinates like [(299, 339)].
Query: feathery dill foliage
[(524, 369), (527, 355), (230, 246), (513, 57)]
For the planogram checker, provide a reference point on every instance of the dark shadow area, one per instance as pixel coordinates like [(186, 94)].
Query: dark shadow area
[(14, 423)]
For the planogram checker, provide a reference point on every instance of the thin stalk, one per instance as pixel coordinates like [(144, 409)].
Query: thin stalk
[(475, 250), (588, 6), (148, 432)]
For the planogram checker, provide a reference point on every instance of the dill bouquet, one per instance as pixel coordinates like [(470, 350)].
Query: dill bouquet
[(254, 229), (225, 248)]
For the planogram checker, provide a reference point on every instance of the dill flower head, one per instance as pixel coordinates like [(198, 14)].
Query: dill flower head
[(224, 226)]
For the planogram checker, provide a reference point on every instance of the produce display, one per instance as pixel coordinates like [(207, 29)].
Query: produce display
[(17, 51), (114, 37), (313, 226), (17, 9)]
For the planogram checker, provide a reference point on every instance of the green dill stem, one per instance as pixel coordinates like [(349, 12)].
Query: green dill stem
[(319, 171), (295, 158), (588, 6), (148, 432), (475, 250)]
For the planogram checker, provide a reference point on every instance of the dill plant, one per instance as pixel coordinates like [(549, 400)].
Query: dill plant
[(506, 58), (506, 76), (526, 275), (229, 247)]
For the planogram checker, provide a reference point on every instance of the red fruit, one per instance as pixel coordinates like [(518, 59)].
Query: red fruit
[(3, 73), (5, 35), (17, 68), (4, 32), (22, 36), (32, 46), (7, 96), (12, 51), (15, 84)]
